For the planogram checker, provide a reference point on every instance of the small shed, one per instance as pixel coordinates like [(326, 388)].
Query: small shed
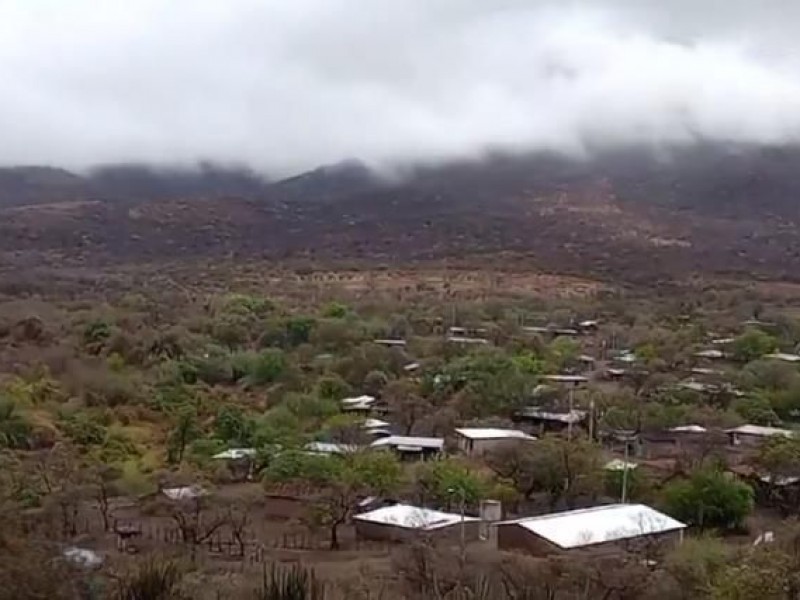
[(480, 440), (754, 435), (403, 522), (609, 528), (410, 448), (358, 403), (549, 421)]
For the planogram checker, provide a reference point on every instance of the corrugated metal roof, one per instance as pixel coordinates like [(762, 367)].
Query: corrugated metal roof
[(784, 357), (412, 517), (579, 528), (401, 440), (760, 430), (235, 454), (329, 448), (490, 433), (689, 429)]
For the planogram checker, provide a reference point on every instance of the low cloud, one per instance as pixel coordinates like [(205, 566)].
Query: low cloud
[(285, 86)]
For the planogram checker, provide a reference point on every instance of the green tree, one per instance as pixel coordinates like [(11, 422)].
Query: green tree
[(266, 367), (756, 410), (764, 572), (340, 482), (232, 426), (450, 481), (335, 310), (563, 469), (298, 330), (709, 499), (15, 430), (332, 387), (562, 352), (752, 345), (778, 458), (184, 432)]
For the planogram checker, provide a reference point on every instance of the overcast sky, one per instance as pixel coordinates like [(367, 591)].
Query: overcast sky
[(285, 85)]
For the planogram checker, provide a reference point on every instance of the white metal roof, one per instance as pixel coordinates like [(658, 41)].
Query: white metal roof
[(566, 378), (455, 339), (358, 400), (376, 424), (759, 430), (689, 429), (412, 517), (710, 353), (618, 464), (329, 448), (402, 440), (579, 528), (390, 342), (573, 416), (235, 454), (490, 433), (784, 357), (186, 492)]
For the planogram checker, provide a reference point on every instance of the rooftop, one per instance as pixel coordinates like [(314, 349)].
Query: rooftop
[(491, 433), (573, 416), (688, 429), (329, 448), (235, 454), (580, 528), (412, 517), (566, 378), (187, 492), (402, 441), (784, 357), (390, 342), (455, 339), (760, 430), (710, 353)]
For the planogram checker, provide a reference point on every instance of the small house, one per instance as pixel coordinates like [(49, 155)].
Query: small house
[(330, 449), (754, 435), (544, 421), (183, 493), (391, 343), (602, 529), (402, 522), (362, 404), (480, 440), (784, 357), (410, 448)]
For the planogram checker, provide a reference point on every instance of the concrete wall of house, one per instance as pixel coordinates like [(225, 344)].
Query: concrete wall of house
[(391, 533), (516, 538), (481, 447), (513, 537)]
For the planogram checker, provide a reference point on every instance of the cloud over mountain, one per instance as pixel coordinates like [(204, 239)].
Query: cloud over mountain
[(285, 86)]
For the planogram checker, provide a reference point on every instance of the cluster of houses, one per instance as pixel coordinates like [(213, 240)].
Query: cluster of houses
[(598, 528)]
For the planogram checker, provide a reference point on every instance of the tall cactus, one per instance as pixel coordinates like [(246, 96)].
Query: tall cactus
[(294, 583)]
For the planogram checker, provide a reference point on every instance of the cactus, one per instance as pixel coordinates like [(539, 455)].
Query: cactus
[(295, 583)]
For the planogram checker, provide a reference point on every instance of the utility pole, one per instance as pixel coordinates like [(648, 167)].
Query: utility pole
[(625, 475), (463, 534)]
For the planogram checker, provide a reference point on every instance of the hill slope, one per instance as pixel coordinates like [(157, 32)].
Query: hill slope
[(627, 214)]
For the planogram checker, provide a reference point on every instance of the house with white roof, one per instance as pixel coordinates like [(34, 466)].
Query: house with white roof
[(480, 440), (754, 435), (783, 356), (358, 403), (328, 448), (235, 454), (401, 522), (410, 447), (610, 528)]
